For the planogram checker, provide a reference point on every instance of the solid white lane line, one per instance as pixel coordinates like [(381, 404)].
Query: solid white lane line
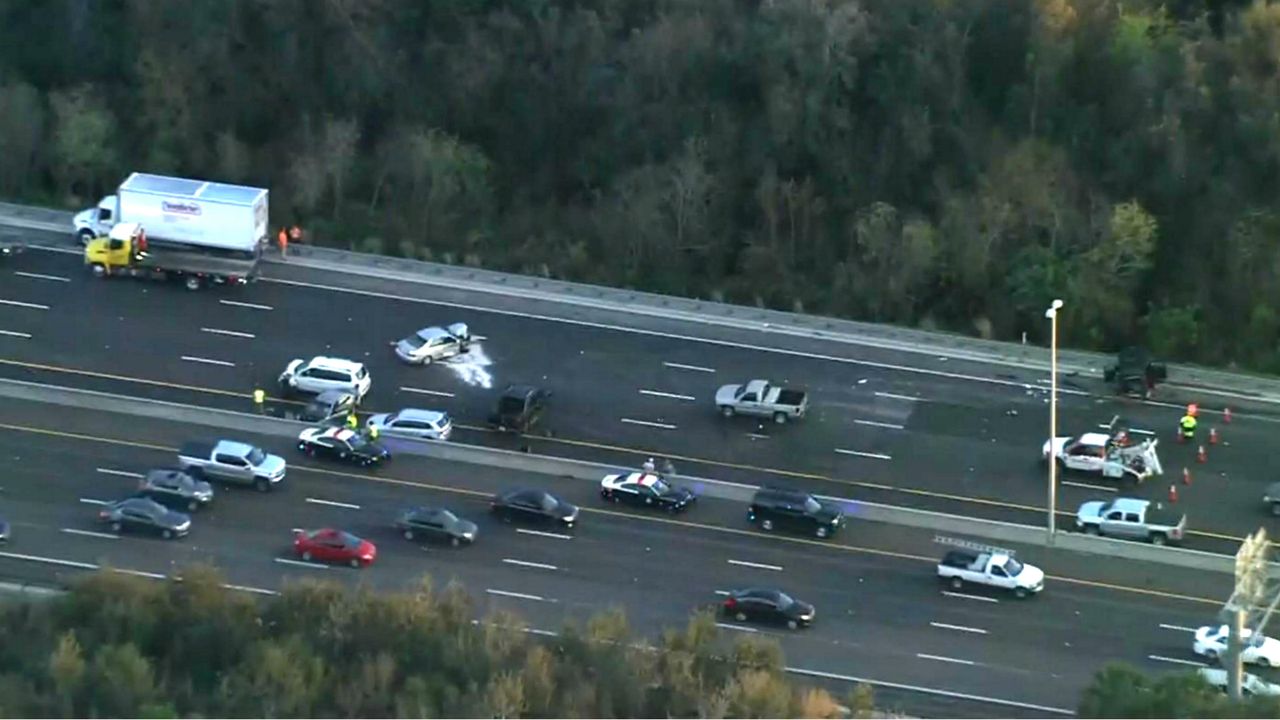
[(49, 560), (961, 628), (519, 596), (90, 533), (874, 456), (250, 589), (231, 333), (740, 628), (121, 473), (41, 276), (943, 658), (437, 393), (755, 436), (301, 563), (525, 563), (540, 533), (873, 423), (695, 368), (251, 306), (929, 691), (762, 566), (646, 423), (892, 396), (18, 303), (673, 396), (13, 333), (1177, 627), (91, 501), (207, 361), (1177, 661), (332, 503), (1099, 488), (143, 573), (948, 593), (722, 592)]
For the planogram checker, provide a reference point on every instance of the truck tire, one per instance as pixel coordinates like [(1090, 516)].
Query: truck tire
[(1158, 539), (780, 418), (1020, 593), (193, 282), (956, 583), (261, 485), (1091, 529), (821, 532), (726, 411), (85, 236), (99, 270)]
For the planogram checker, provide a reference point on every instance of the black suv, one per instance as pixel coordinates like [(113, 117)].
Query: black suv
[(794, 511), (520, 408)]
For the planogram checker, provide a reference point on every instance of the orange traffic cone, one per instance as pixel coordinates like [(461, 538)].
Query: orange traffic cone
[(1186, 476), (1173, 493), (1201, 455), (1213, 436), (1226, 415)]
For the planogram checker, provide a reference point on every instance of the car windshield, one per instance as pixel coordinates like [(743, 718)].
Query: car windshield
[(415, 341), (785, 600), (659, 487), (359, 442), (811, 505), (1013, 568), (348, 539), (256, 456), (547, 502)]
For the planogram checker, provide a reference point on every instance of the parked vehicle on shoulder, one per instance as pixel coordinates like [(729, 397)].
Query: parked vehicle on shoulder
[(1111, 456), (645, 490), (760, 398), (232, 462), (434, 343), (767, 605), (532, 505), (175, 489), (1211, 642), (520, 408), (322, 373), (1132, 518), (437, 525), (329, 406), (1250, 684), (336, 546), (139, 514), (413, 423), (794, 511), (992, 569), (340, 443)]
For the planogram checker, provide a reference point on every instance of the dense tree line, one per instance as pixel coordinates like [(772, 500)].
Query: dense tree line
[(926, 162), (1121, 691), (123, 646)]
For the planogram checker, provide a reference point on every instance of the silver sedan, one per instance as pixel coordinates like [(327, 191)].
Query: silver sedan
[(434, 343)]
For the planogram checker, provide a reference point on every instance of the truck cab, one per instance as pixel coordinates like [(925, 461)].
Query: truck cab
[(97, 221), (121, 248)]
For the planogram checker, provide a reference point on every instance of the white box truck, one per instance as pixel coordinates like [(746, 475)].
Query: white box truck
[(164, 227)]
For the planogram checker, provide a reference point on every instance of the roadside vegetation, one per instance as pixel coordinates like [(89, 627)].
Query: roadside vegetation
[(939, 164), (1121, 691), (124, 646)]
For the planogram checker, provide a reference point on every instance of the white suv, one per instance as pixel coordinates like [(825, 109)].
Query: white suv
[(325, 373)]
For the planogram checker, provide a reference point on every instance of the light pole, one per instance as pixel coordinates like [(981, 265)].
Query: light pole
[(1052, 314)]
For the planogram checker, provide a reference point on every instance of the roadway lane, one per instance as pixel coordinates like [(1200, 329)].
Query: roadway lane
[(937, 441), (881, 615)]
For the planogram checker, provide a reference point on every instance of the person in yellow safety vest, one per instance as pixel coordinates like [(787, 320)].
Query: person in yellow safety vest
[(259, 398), (373, 432), (1188, 425), (352, 422)]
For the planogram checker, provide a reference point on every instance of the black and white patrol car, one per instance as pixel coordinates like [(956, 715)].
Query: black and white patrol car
[(645, 490), (339, 443)]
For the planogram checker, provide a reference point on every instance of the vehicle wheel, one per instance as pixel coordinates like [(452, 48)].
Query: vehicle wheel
[(1020, 593), (355, 562), (193, 506), (193, 282), (426, 360), (726, 411), (1091, 529), (455, 541), (1211, 655), (766, 524), (166, 534), (408, 534), (116, 527), (780, 418), (306, 556), (821, 532), (1264, 662), (956, 583), (261, 485), (740, 617), (792, 624), (1062, 467), (99, 270), (1158, 539), (86, 236)]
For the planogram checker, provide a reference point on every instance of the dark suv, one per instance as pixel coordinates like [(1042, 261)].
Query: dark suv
[(520, 408), (794, 511)]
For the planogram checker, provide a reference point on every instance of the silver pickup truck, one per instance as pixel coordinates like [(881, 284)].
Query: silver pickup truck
[(1132, 518), (232, 462), (759, 397)]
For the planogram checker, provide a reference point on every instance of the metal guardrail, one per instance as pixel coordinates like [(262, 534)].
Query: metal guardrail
[(233, 421)]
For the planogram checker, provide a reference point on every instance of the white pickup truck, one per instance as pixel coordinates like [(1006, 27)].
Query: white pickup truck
[(998, 570), (233, 462), (760, 397)]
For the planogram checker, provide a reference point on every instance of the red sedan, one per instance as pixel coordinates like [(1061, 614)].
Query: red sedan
[(329, 545)]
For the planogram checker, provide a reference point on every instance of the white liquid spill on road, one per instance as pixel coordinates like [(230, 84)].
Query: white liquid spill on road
[(470, 367)]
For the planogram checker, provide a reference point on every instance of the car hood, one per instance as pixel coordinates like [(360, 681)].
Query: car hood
[(292, 367), (801, 609), (175, 519), (273, 465), (1030, 576), (1053, 448), (726, 394), (366, 548), (566, 511), (828, 513), (379, 420), (466, 527), (1091, 510), (202, 489), (682, 495)]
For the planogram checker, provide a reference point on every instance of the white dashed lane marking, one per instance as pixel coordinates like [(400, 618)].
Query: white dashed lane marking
[(873, 456), (207, 361), (251, 306), (646, 423), (41, 276), (229, 333), (673, 396), (694, 368)]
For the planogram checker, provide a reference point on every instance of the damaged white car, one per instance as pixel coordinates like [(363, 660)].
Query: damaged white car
[(1111, 456)]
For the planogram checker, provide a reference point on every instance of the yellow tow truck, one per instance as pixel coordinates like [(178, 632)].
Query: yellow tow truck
[(126, 251)]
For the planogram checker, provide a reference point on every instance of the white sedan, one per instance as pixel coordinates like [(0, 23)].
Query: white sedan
[(1101, 454), (1250, 684), (1211, 642), (434, 343)]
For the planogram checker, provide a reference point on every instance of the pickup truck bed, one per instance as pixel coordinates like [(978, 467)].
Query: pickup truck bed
[(197, 450), (787, 396), (959, 559)]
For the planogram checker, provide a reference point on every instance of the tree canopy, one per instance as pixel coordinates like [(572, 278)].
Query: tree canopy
[(926, 162), (1121, 691), (123, 646)]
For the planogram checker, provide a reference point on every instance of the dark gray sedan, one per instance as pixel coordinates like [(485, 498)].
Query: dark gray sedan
[(436, 524), (140, 514), (176, 489)]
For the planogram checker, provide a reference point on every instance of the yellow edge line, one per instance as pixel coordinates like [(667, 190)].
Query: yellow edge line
[(613, 513)]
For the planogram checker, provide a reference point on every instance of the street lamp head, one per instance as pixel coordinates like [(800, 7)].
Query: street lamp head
[(1057, 304), (1052, 312)]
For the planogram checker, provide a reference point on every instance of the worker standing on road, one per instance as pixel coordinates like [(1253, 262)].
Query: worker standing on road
[(283, 240), (649, 466), (352, 422), (295, 234), (1188, 424), (259, 399), (373, 432)]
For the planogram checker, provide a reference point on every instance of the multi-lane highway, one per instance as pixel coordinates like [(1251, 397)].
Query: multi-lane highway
[(903, 428), (881, 614)]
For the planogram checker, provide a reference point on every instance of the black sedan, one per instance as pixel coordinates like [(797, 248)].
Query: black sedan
[(139, 514), (532, 505), (339, 443), (767, 605), (435, 524), (645, 490), (176, 489)]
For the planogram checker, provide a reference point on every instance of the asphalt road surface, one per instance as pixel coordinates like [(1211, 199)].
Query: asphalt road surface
[(901, 428), (882, 615)]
